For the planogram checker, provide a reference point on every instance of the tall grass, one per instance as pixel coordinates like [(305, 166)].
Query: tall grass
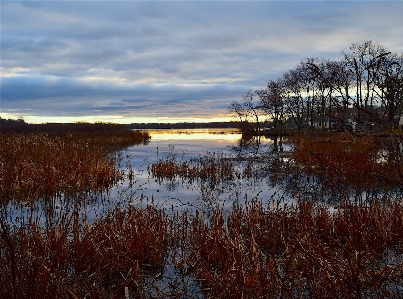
[(360, 160), (251, 251), (213, 167), (300, 252), (305, 250), (67, 159), (72, 258)]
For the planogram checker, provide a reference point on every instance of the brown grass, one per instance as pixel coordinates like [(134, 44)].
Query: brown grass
[(34, 165), (253, 251), (72, 258), (306, 250), (211, 167), (302, 251), (344, 157)]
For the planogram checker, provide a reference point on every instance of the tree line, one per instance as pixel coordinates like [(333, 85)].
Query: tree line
[(364, 85)]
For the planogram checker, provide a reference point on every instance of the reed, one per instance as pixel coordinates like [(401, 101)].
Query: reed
[(361, 160), (103, 134), (213, 167), (72, 258), (251, 251), (40, 165), (278, 250), (305, 250)]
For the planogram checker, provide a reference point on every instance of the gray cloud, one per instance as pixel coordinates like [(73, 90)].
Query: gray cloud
[(166, 58)]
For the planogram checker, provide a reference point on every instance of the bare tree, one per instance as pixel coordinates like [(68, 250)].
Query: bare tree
[(389, 81), (363, 60), (295, 102), (248, 111), (272, 103)]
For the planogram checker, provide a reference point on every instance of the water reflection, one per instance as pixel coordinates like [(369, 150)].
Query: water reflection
[(220, 135), (275, 164), (263, 167)]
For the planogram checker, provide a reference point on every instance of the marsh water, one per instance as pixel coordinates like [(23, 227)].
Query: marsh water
[(263, 171), (175, 193), (184, 145), (272, 176)]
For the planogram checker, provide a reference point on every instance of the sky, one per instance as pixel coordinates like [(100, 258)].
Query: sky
[(168, 61)]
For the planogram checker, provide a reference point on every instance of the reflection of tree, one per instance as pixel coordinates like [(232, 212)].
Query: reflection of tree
[(248, 144), (299, 177), (252, 145), (333, 169), (296, 183)]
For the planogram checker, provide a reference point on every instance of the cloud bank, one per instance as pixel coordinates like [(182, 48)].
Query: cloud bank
[(150, 61)]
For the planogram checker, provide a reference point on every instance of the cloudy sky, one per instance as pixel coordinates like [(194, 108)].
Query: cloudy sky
[(168, 61)]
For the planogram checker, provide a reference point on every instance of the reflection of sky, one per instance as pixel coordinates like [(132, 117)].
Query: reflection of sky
[(215, 135), (186, 144)]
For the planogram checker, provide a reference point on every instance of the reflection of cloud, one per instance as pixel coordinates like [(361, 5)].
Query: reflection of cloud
[(130, 58)]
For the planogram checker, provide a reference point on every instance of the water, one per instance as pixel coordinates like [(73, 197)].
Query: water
[(179, 193), (170, 194), (274, 177)]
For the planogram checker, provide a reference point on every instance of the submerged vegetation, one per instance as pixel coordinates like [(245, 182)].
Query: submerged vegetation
[(69, 257), (212, 167), (278, 249), (340, 159)]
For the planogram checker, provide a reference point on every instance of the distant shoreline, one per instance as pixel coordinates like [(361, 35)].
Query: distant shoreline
[(20, 124), (212, 125)]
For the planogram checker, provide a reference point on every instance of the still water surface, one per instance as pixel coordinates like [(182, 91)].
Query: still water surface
[(172, 194), (184, 145), (275, 179)]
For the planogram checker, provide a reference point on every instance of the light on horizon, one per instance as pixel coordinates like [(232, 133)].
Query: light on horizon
[(33, 119)]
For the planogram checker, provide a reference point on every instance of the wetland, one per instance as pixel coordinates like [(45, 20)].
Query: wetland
[(99, 211)]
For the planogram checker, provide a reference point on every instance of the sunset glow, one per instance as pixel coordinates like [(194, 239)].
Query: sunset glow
[(166, 62)]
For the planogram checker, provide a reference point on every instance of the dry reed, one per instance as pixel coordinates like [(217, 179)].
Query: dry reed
[(359, 159), (72, 258), (252, 251), (300, 252), (211, 167), (35, 165)]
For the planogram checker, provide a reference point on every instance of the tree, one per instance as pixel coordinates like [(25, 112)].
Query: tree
[(363, 59), (248, 111), (295, 103), (272, 102), (389, 81)]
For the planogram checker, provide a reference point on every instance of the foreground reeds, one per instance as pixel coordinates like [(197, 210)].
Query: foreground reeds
[(300, 252), (255, 251), (72, 258), (304, 250)]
